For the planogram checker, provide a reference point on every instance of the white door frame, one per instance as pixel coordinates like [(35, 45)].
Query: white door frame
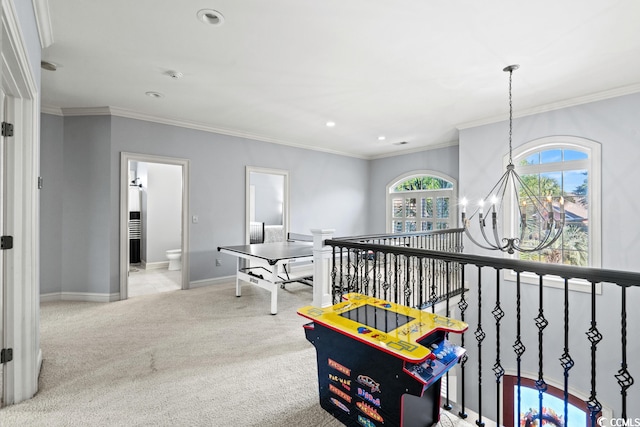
[(125, 158), (22, 167)]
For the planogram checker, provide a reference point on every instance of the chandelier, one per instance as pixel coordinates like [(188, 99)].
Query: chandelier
[(535, 224)]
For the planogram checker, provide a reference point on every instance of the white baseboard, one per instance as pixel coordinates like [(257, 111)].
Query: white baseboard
[(95, 297), (209, 282), (155, 265), (80, 296)]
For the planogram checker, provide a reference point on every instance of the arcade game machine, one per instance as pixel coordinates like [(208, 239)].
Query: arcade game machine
[(380, 363)]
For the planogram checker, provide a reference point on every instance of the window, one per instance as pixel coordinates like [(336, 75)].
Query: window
[(568, 168), (420, 201), (552, 405)]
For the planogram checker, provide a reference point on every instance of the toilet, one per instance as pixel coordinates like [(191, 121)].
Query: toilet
[(173, 255)]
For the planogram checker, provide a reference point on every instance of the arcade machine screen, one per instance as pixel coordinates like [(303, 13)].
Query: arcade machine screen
[(377, 318)]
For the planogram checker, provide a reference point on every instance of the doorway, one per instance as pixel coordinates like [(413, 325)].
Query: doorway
[(151, 269), (267, 205), (2, 231)]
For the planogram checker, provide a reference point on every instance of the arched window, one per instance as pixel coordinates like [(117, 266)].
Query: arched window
[(567, 167), (421, 201)]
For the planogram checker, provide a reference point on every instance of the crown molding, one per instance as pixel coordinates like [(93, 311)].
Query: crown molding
[(120, 112), (600, 96), (43, 22), (129, 114), (88, 111), (51, 109), (415, 150)]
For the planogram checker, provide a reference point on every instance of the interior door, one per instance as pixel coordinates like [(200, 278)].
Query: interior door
[(2, 228)]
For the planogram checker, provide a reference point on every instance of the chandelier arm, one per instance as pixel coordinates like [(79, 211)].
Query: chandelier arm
[(546, 242), (501, 183), (540, 246), (522, 213), (466, 230), (496, 237), (529, 193), (486, 239), (498, 185)]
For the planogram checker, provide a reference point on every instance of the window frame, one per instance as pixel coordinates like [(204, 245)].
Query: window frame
[(451, 192), (593, 164)]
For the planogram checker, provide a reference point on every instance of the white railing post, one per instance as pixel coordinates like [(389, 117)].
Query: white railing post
[(321, 267)]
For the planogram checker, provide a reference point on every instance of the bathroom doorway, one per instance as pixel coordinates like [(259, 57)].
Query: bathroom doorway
[(154, 226)]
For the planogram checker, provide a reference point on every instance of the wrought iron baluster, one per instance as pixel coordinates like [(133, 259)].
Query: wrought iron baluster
[(407, 281), (541, 324), (566, 360), (625, 380), (396, 276), (434, 295), (374, 274), (518, 346), (421, 299), (462, 305), (364, 270), (498, 370), (386, 285), (480, 336), (594, 337), (447, 404), (349, 276), (341, 272)]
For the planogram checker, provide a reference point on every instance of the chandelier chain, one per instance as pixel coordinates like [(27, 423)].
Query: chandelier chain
[(510, 117)]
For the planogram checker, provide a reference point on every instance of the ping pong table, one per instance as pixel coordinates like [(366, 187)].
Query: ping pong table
[(268, 263)]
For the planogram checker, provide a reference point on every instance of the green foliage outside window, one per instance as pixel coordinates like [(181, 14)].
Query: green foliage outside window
[(423, 183), (572, 247)]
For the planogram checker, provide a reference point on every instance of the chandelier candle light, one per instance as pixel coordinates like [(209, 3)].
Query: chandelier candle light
[(538, 223)]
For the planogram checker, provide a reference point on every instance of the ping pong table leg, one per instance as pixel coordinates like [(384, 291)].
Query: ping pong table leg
[(274, 288), (238, 285)]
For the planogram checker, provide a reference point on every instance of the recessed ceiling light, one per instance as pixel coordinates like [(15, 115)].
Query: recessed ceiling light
[(331, 124), (210, 16), (174, 74), (382, 138), (49, 66), (154, 94)]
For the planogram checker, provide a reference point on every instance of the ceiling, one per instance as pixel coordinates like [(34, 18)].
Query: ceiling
[(413, 71)]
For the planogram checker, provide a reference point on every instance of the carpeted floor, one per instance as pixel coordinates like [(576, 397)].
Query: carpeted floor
[(201, 357)]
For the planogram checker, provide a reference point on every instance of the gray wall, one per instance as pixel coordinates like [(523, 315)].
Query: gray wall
[(327, 191), (614, 123), (88, 232), (51, 202), (443, 160)]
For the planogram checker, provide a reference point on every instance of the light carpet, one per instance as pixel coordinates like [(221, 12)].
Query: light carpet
[(201, 357)]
